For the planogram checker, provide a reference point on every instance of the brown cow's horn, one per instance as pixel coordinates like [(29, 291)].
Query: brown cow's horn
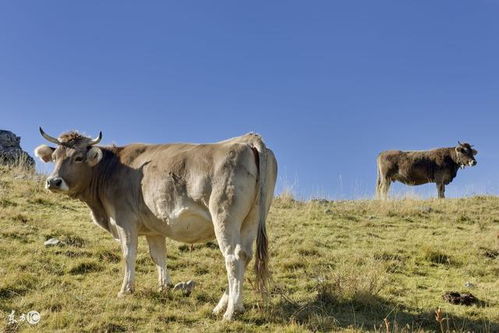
[(48, 137), (96, 140), (460, 143)]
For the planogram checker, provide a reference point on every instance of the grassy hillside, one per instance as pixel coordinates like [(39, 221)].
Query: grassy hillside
[(337, 266)]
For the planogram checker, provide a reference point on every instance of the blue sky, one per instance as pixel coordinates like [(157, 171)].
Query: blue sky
[(329, 84)]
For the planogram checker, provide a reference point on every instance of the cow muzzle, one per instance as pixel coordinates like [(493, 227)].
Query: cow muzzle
[(472, 163), (56, 184)]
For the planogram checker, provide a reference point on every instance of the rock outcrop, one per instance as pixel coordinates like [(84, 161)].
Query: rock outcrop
[(11, 152)]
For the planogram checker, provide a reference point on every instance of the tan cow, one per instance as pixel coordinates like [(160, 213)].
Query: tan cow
[(187, 192), (438, 166)]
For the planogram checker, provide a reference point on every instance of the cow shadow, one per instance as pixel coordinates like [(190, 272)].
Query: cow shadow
[(323, 313)]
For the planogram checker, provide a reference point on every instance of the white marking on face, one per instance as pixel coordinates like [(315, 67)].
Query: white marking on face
[(470, 163), (64, 186)]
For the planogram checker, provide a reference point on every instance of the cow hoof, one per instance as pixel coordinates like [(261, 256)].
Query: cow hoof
[(218, 309), (228, 316), (125, 293)]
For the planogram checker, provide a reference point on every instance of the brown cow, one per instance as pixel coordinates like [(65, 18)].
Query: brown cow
[(420, 167), (187, 192)]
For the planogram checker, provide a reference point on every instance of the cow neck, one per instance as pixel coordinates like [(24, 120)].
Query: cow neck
[(453, 156), (101, 178)]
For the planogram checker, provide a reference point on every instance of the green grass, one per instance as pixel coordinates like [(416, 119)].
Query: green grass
[(337, 266)]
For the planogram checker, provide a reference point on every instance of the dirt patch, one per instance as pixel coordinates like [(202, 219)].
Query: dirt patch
[(454, 297)]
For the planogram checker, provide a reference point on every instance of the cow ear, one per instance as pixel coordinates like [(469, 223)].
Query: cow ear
[(94, 155), (474, 152), (44, 153)]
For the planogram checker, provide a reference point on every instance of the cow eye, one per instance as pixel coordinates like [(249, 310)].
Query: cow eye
[(79, 159)]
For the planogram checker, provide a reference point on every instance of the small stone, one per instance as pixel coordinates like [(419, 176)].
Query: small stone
[(328, 211), (189, 287), (190, 284), (468, 284), (52, 242), (185, 287), (179, 286)]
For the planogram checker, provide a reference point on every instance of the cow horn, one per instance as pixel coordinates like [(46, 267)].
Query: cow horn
[(96, 140), (459, 142), (48, 137)]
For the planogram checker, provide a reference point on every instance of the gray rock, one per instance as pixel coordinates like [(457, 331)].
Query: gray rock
[(190, 285), (11, 152), (185, 287), (468, 284), (179, 286), (52, 242)]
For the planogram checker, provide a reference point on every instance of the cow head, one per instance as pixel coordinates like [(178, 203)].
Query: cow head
[(465, 155), (74, 157)]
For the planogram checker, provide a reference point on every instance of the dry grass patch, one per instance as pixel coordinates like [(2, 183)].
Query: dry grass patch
[(349, 266)]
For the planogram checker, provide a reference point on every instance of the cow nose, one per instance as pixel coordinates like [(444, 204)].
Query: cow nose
[(54, 182), (474, 163)]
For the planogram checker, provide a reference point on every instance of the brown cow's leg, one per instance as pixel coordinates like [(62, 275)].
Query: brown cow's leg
[(235, 263), (379, 182), (383, 188), (229, 206), (248, 234), (441, 190), (222, 303), (157, 250), (128, 240), (383, 181)]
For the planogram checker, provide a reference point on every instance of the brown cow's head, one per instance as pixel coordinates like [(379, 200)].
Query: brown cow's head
[(74, 158), (465, 155)]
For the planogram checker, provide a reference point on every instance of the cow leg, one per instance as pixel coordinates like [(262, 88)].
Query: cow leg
[(247, 235), (222, 303), (157, 250), (379, 183), (383, 188), (235, 263), (232, 198), (441, 190), (128, 240), (228, 215)]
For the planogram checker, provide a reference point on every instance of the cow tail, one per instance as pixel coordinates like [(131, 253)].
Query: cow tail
[(262, 255)]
